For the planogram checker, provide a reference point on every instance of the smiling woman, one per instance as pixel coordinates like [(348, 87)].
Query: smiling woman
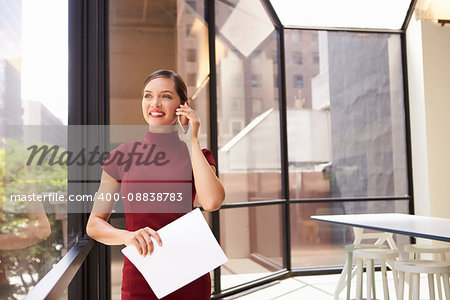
[(163, 102), (164, 91)]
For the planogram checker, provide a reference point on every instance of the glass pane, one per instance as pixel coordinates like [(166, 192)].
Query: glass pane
[(346, 123), (347, 13), (193, 59), (33, 91), (252, 238), (247, 102), (320, 244)]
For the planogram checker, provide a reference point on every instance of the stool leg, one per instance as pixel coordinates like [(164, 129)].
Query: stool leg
[(400, 285), (359, 271), (415, 282), (341, 283), (384, 279), (410, 284), (412, 256), (439, 288), (373, 280), (431, 286), (369, 272), (349, 273), (438, 279), (446, 285), (394, 275)]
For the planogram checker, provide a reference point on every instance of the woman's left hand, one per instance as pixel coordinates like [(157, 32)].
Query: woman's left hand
[(189, 114)]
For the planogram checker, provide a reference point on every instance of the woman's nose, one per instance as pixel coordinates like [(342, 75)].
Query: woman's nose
[(156, 101)]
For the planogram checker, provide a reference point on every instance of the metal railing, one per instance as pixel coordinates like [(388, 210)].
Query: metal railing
[(53, 285)]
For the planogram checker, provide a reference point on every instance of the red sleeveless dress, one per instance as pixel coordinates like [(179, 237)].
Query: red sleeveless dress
[(134, 286)]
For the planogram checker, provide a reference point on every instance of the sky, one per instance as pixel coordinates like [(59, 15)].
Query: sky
[(45, 54)]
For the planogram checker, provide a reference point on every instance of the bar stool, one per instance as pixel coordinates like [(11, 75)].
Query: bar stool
[(415, 251), (414, 268), (348, 272), (369, 256)]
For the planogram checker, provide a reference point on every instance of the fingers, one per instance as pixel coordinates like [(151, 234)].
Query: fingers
[(155, 235), (184, 109), (140, 244), (187, 112), (148, 244), (142, 241)]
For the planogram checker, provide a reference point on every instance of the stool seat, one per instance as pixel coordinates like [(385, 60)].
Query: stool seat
[(348, 272), (353, 247), (369, 256), (426, 248), (437, 250), (422, 266), (414, 268), (375, 253)]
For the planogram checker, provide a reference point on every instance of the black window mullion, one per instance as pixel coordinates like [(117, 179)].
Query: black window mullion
[(215, 216), (88, 105)]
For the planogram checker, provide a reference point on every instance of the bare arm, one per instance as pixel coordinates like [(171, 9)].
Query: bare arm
[(210, 192), (100, 230), (97, 227)]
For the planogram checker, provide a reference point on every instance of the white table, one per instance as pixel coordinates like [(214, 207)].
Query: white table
[(418, 226), (412, 225)]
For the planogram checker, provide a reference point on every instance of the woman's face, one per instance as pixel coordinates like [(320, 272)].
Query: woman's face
[(160, 101)]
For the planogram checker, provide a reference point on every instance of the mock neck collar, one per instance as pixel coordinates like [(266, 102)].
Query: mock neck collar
[(162, 138)]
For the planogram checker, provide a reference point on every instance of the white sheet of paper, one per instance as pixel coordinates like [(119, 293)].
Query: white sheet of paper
[(189, 250)]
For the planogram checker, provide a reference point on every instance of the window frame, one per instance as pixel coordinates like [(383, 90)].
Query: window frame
[(88, 104)]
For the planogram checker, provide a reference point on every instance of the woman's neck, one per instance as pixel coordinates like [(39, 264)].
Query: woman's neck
[(162, 128)]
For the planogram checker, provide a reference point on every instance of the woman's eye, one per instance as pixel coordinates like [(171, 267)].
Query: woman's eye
[(147, 96), (167, 96)]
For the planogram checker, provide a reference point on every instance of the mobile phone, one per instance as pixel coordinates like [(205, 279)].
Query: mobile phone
[(181, 124)]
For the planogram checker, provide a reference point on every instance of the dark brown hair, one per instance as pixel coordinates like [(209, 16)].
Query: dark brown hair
[(180, 86)]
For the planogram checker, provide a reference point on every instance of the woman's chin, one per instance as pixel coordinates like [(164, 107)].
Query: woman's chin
[(157, 122)]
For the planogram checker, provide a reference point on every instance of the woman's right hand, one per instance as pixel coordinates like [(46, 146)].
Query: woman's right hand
[(141, 240)]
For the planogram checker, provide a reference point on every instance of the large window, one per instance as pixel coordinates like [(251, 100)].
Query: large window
[(33, 93), (346, 138), (346, 135)]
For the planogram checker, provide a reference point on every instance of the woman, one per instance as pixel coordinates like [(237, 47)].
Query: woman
[(164, 100)]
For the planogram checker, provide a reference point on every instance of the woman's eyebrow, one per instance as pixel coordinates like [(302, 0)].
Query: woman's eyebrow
[(165, 91)]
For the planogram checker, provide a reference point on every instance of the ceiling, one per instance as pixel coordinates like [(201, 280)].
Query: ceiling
[(368, 14)]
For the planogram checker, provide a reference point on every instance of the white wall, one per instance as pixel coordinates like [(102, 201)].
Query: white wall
[(436, 50), (428, 52)]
